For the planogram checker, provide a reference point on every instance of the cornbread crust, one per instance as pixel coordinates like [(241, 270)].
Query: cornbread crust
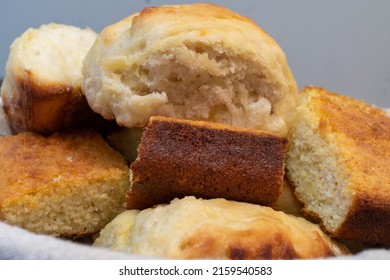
[(191, 228), (68, 184), (177, 158), (357, 136)]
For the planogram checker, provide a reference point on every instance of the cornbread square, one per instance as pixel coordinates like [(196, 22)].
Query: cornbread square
[(178, 158), (66, 184), (339, 161)]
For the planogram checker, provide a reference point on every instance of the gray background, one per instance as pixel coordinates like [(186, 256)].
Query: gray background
[(340, 45)]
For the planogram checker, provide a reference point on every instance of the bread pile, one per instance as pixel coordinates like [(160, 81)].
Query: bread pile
[(219, 143)]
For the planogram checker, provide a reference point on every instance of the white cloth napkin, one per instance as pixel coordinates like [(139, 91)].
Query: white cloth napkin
[(19, 244)]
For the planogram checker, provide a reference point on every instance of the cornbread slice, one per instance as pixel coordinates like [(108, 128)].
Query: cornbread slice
[(177, 158), (191, 228), (339, 161), (67, 184)]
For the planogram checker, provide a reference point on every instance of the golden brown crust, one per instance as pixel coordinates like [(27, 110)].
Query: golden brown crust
[(74, 175), (351, 118), (34, 160), (47, 108), (198, 11), (246, 245), (178, 158), (43, 108)]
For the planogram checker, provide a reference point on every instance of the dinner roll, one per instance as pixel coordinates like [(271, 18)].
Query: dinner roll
[(199, 61), (191, 228), (42, 86)]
